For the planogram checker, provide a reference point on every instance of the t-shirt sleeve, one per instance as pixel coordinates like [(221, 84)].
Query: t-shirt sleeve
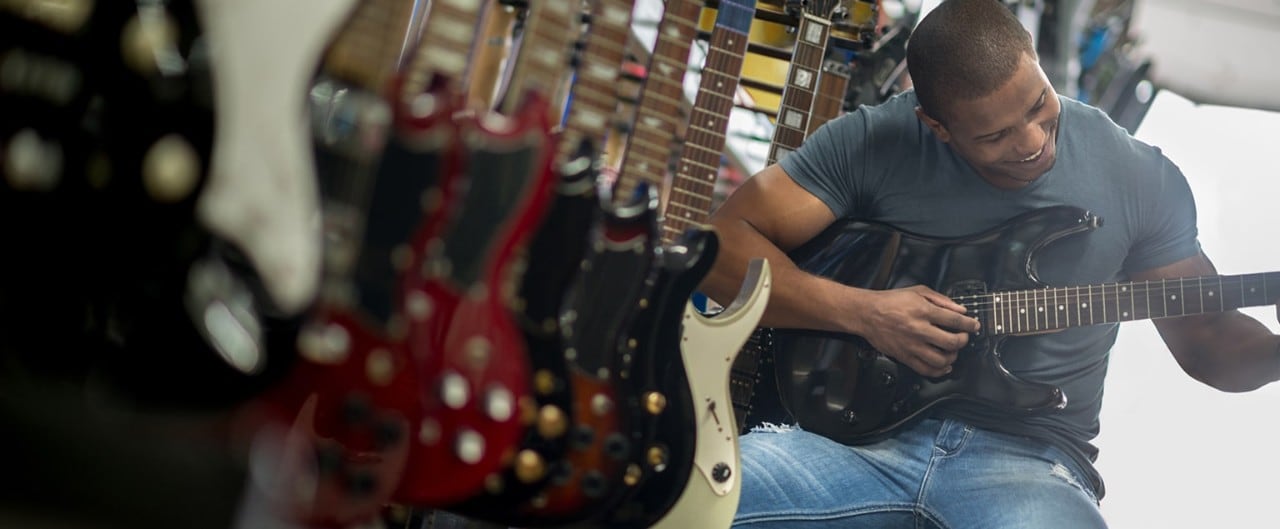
[(1166, 221), (823, 165)]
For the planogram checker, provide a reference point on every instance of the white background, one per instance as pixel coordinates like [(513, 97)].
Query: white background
[(1176, 453)]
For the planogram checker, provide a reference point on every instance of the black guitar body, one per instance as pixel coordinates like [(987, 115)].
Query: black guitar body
[(666, 450), (837, 385)]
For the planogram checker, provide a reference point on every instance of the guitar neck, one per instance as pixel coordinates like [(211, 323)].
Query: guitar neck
[(1027, 311), (447, 39), (659, 110), (693, 187), (833, 83), (798, 93), (550, 29), (367, 51), (595, 90)]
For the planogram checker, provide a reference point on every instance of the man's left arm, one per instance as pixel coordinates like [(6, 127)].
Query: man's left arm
[(1227, 350)]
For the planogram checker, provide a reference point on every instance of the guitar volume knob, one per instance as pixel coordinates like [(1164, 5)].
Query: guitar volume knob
[(721, 472)]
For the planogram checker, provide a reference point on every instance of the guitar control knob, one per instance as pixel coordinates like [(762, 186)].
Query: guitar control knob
[(387, 433), (633, 475), (361, 483), (616, 446), (657, 458), (721, 472), (170, 169), (328, 459), (552, 422), (530, 466), (655, 402), (469, 447), (583, 436), (356, 409), (593, 484)]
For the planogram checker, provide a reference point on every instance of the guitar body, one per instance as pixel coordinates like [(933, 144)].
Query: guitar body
[(555, 254), (838, 386), (350, 406), (709, 347), (667, 440), (342, 423), (600, 309), (471, 354)]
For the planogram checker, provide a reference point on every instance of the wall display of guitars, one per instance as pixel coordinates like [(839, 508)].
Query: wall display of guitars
[(495, 333)]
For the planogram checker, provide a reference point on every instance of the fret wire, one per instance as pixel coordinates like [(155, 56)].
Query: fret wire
[(703, 165), (1056, 323), (1103, 302), (1079, 316), (1201, 290), (1266, 289), (1028, 308), (1016, 311), (1164, 297), (1040, 310), (1119, 313)]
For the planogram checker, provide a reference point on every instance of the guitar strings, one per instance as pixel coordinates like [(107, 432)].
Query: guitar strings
[(1110, 293)]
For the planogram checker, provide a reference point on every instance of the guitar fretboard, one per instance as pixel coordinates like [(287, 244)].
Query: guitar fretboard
[(694, 184), (543, 60), (595, 91), (1025, 311), (367, 50), (660, 109), (447, 39), (832, 85), (798, 94)]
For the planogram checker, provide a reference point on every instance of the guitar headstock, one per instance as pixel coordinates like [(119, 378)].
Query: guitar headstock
[(827, 9)]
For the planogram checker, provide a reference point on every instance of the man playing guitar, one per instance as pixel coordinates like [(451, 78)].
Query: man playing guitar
[(982, 138)]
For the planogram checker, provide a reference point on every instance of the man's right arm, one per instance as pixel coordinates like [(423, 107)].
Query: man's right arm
[(771, 214)]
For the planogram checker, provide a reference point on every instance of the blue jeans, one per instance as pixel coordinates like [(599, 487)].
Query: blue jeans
[(939, 474)]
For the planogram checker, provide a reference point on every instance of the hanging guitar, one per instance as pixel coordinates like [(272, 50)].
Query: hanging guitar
[(340, 425), (704, 491), (752, 403), (542, 270), (680, 440), (554, 257), (842, 388), (471, 355)]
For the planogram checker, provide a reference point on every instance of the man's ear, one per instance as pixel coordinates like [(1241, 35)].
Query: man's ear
[(936, 126)]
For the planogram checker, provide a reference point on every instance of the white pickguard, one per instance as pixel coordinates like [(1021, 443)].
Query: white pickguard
[(709, 347), (262, 188)]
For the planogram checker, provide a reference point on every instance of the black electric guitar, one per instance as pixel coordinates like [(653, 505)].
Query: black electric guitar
[(838, 386)]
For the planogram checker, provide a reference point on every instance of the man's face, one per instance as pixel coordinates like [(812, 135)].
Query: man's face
[(1009, 136)]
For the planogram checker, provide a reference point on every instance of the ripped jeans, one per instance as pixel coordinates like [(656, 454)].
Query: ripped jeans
[(938, 474)]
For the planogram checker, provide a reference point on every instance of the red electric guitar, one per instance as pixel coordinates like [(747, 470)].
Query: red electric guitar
[(464, 270)]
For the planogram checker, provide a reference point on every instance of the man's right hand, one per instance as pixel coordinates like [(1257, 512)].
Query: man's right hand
[(917, 326)]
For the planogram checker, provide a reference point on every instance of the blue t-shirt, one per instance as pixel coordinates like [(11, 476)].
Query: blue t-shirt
[(881, 163)]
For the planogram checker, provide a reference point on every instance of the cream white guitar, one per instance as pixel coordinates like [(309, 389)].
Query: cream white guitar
[(709, 345)]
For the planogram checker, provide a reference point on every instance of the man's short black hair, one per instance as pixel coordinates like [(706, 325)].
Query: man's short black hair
[(964, 49)]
